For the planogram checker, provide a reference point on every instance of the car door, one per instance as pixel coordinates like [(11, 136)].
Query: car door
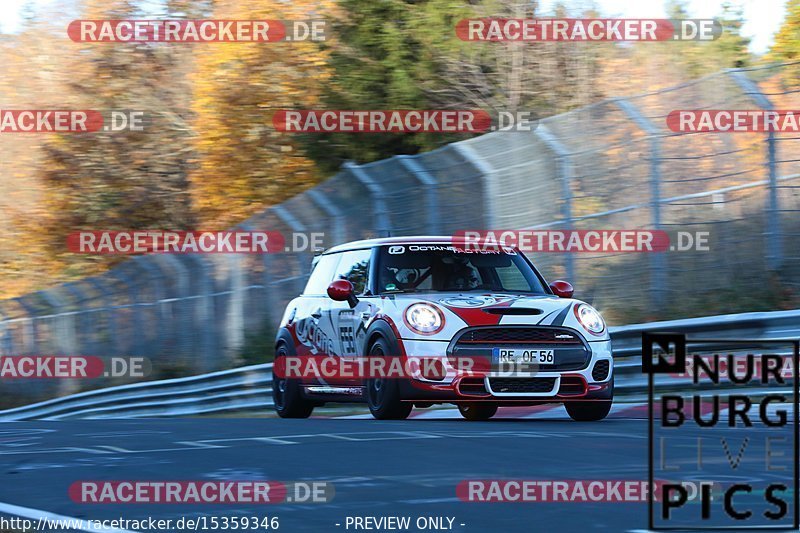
[(354, 266), (313, 324)]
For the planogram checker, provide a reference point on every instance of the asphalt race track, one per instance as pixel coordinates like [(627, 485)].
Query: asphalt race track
[(397, 468), (391, 468)]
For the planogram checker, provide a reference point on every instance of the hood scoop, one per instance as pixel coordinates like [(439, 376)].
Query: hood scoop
[(515, 311)]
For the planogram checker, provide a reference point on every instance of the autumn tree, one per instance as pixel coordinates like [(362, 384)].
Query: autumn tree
[(244, 164), (129, 179)]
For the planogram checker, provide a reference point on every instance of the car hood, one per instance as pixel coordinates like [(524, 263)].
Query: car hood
[(471, 309)]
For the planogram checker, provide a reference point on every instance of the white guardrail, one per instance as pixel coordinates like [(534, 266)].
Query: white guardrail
[(249, 388)]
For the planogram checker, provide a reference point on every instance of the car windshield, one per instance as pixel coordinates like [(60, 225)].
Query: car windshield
[(417, 268)]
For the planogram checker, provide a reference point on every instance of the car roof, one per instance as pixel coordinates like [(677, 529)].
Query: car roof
[(369, 243)]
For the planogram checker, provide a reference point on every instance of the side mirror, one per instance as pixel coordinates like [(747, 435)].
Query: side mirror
[(562, 289), (341, 290)]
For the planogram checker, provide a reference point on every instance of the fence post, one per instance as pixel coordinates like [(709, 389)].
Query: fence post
[(111, 315), (658, 278), (178, 323), (431, 190), (333, 212), (81, 317), (489, 182), (156, 277), (6, 340), (64, 330), (203, 313), (565, 171), (381, 213), (62, 336), (138, 323), (29, 328), (773, 230), (290, 220)]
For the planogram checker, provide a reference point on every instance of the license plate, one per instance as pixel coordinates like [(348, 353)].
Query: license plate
[(522, 356)]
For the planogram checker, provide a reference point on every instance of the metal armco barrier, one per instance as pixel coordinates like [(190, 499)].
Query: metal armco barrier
[(249, 388), (245, 388)]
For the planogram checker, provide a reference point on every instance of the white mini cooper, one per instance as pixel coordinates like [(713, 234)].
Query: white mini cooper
[(433, 298)]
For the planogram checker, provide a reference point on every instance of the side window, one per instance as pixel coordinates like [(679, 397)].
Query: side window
[(322, 275), (354, 267)]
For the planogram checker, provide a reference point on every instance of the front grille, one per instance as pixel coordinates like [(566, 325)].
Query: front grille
[(476, 344), (523, 335), (600, 370), (521, 385)]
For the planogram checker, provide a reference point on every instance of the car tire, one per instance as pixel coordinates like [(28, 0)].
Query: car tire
[(588, 410), (382, 394), (477, 410), (593, 409), (287, 395)]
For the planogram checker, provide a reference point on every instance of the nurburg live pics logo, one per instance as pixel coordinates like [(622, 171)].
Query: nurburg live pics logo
[(710, 431)]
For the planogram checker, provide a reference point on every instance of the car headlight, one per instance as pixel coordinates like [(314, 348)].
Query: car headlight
[(590, 319), (425, 319)]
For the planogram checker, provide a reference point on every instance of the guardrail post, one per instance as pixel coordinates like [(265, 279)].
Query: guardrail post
[(658, 277), (431, 190), (565, 171), (379, 209), (773, 230)]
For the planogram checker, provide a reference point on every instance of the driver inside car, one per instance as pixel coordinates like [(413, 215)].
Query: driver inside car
[(459, 275)]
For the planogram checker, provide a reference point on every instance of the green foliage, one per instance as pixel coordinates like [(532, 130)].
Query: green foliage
[(259, 346), (787, 41), (698, 58), (731, 48), (378, 62)]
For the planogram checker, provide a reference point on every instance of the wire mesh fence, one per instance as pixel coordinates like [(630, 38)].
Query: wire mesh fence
[(611, 165)]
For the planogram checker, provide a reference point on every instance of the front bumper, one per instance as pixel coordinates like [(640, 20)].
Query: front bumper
[(594, 380)]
